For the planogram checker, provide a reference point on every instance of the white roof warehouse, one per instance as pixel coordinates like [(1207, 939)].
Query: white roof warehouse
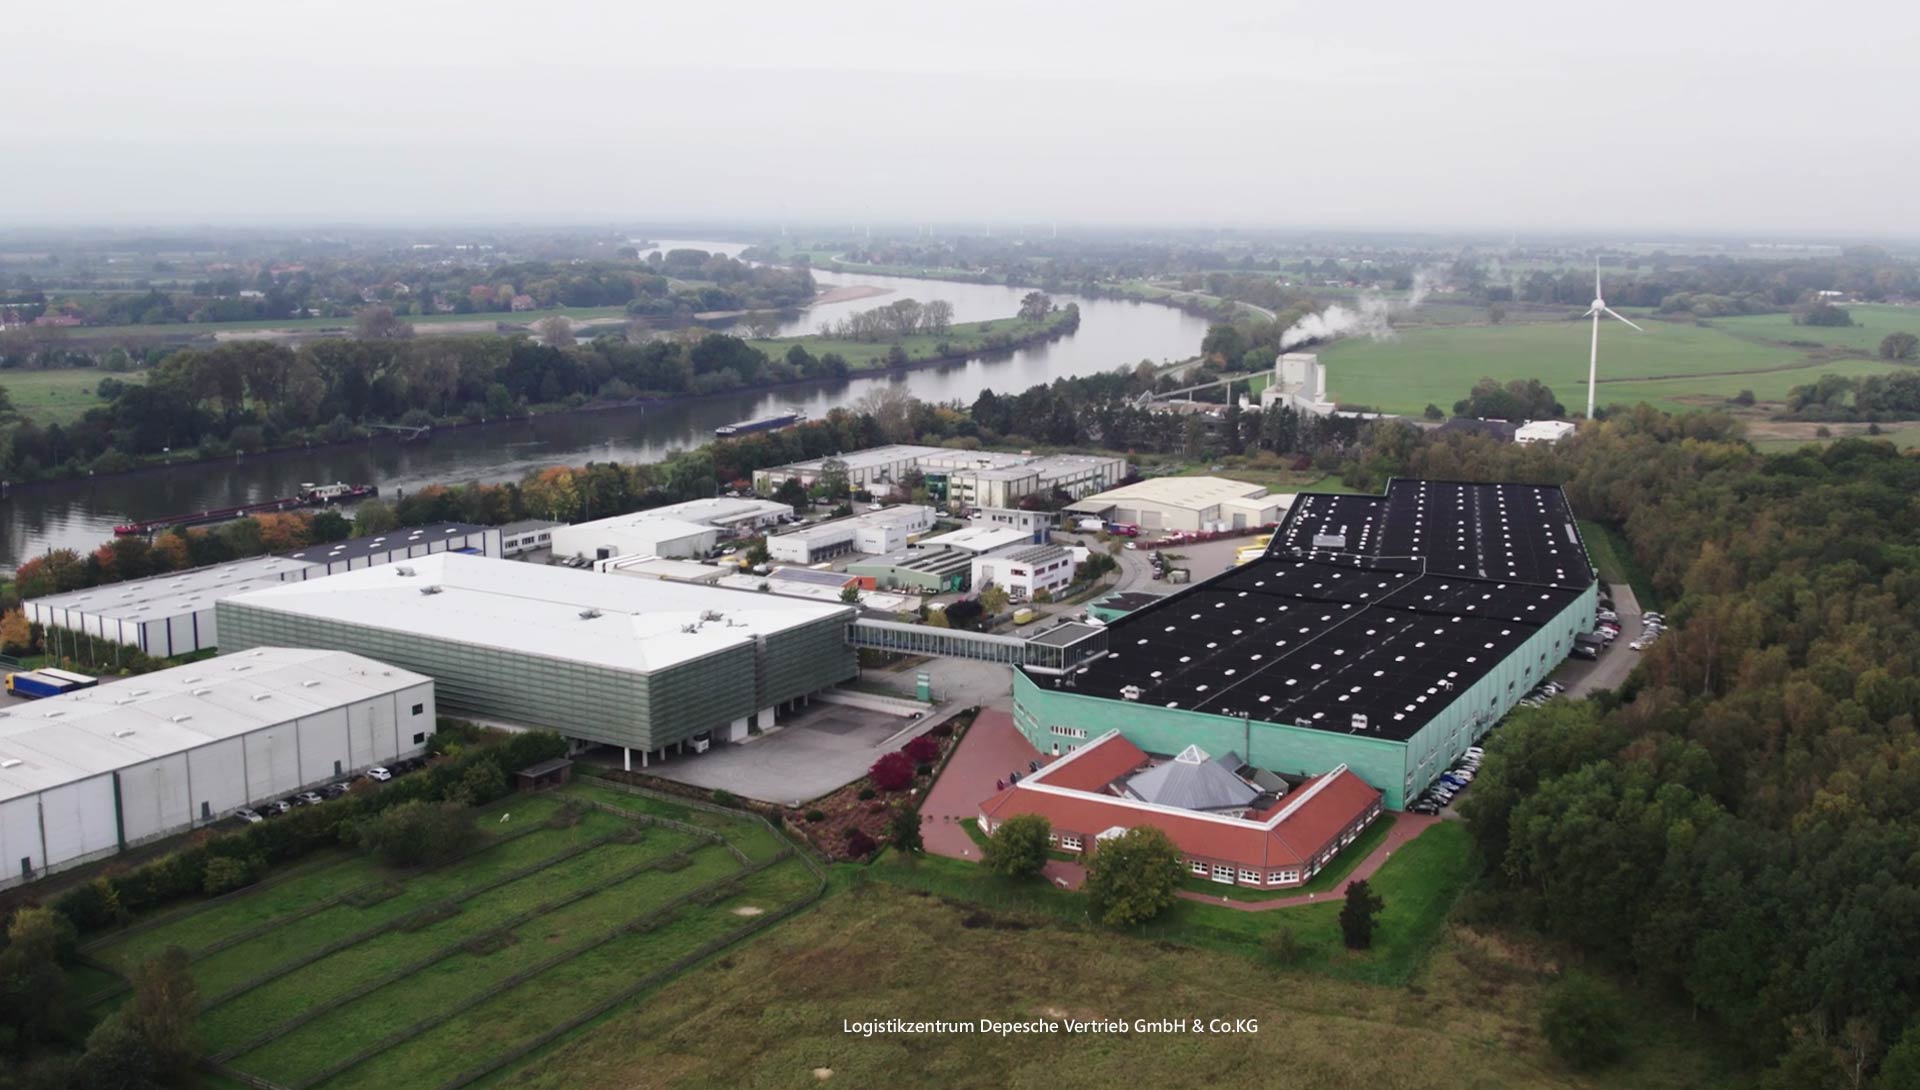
[(639, 663), (85, 774)]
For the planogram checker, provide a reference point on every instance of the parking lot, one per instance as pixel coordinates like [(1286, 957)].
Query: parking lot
[(825, 747)]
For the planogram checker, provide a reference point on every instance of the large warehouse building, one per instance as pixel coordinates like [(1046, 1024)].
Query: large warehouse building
[(685, 529), (636, 663), (86, 774), (1185, 503), (1385, 633), (172, 614)]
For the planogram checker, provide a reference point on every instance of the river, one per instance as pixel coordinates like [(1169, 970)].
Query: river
[(81, 514)]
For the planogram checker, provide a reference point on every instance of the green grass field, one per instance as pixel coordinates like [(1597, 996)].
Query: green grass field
[(964, 338), (1870, 324), (60, 395), (1674, 365), (425, 978), (1466, 1017)]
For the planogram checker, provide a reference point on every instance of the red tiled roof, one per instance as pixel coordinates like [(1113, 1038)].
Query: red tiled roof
[(1260, 843), (1093, 767)]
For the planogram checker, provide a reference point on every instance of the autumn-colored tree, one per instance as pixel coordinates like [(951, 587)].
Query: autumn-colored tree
[(282, 531), (16, 632), (553, 494), (170, 550)]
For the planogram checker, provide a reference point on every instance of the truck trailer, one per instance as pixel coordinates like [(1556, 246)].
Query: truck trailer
[(35, 684)]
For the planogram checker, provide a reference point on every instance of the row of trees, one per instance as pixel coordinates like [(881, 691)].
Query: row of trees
[(1893, 396), (901, 318)]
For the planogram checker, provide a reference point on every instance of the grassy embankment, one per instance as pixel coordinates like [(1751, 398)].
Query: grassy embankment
[(1674, 365), (423, 975), (934, 939), (964, 339), (1614, 558)]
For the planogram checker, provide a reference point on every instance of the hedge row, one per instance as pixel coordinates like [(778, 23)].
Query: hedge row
[(114, 898)]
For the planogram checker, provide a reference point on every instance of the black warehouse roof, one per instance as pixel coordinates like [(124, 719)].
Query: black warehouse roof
[(1382, 606)]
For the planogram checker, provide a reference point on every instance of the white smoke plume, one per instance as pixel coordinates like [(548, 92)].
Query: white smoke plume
[(1369, 317)]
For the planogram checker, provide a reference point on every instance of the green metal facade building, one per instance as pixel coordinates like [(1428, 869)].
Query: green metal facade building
[(929, 571), (637, 663), (1384, 633)]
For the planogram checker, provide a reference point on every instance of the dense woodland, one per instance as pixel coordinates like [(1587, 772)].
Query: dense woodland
[(1737, 829)]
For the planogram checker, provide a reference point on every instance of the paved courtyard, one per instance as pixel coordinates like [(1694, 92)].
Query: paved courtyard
[(826, 747)]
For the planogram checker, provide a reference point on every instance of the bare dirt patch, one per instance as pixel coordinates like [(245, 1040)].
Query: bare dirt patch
[(749, 910)]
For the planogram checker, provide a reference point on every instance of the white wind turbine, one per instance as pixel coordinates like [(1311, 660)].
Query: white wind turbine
[(1593, 359)]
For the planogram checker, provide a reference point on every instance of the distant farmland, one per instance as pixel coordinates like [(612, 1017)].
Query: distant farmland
[(1674, 365)]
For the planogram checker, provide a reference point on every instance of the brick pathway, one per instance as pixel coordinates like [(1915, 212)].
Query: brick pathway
[(991, 749)]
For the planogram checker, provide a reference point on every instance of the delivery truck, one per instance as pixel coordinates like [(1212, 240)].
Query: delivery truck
[(35, 684)]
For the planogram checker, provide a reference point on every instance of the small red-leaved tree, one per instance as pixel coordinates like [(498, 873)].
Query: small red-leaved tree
[(860, 845), (893, 772), (922, 750)]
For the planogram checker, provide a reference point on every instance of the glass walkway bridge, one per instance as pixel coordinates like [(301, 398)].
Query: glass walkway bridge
[(1054, 651)]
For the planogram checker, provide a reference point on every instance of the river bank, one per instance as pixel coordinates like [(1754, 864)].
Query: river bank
[(971, 346), (78, 511)]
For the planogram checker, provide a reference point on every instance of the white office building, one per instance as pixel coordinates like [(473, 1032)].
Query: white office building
[(86, 774), (874, 533), (1023, 571)]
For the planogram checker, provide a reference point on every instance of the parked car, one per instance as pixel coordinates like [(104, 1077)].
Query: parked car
[(333, 790), (248, 814), (379, 774), (1585, 652), (1424, 806), (308, 798), (1476, 751), (275, 808), (1607, 615)]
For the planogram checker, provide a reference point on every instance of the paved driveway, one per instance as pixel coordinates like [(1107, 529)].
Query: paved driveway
[(1583, 678), (825, 748)]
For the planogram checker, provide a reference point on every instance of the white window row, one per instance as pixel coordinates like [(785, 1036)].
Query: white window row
[(1069, 732)]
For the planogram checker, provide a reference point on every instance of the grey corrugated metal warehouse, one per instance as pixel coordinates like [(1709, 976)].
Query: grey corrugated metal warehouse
[(86, 774), (172, 613), (636, 663)]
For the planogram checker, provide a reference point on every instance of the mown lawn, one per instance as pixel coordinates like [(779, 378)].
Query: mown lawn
[(1672, 365), (60, 395), (572, 988), (311, 1048)]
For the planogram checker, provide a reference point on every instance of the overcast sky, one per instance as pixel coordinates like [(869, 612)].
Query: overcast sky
[(1679, 116)]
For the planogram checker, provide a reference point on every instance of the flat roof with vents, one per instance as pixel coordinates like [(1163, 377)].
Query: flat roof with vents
[(157, 597), (642, 624), (1436, 585), (76, 735), (398, 540)]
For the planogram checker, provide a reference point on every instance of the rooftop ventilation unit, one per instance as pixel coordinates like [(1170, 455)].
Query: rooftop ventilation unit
[(431, 588), (201, 692), (1359, 721), (589, 614), (257, 697), (10, 762), (310, 683), (403, 569), (175, 719), (124, 733)]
